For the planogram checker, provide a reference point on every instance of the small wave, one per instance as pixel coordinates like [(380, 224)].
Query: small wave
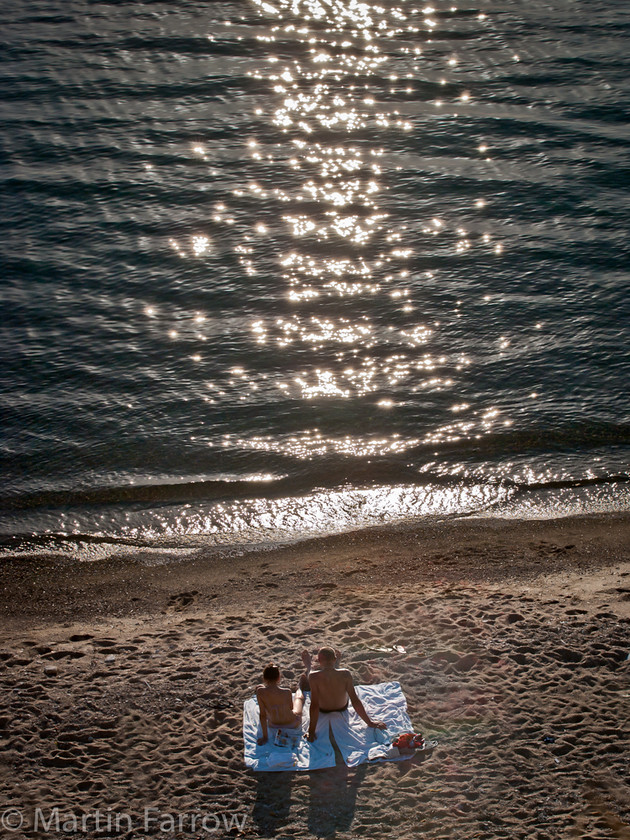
[(164, 493), (49, 542), (568, 484), (167, 533), (357, 476)]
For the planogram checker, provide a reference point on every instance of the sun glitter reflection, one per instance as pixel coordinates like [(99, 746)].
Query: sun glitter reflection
[(338, 94), (312, 226), (326, 512)]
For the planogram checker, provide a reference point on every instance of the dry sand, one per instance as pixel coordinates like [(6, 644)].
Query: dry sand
[(516, 639)]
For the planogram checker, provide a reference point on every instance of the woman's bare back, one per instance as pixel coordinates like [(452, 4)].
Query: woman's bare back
[(277, 703)]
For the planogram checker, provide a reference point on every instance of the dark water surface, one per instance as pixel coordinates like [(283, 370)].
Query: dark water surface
[(285, 268)]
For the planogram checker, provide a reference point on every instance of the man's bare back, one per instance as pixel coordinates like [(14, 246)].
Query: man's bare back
[(332, 689)]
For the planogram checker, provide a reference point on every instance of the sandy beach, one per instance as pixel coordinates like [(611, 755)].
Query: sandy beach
[(124, 681)]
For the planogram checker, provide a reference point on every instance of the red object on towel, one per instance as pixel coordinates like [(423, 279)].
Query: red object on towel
[(409, 741)]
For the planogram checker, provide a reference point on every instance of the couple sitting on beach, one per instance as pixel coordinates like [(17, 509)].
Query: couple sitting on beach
[(331, 690)]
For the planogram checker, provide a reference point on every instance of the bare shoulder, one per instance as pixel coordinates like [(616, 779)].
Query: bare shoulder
[(260, 689), (347, 679)]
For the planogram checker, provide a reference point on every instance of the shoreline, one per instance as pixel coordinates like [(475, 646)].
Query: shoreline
[(239, 525), (124, 683), (45, 587)]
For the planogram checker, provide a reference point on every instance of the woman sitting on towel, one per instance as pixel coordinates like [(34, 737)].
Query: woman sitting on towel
[(276, 705)]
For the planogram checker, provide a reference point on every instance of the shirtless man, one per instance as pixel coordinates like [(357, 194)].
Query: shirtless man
[(276, 704), (331, 690)]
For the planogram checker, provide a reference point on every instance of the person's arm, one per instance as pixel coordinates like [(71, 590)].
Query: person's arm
[(360, 708), (263, 718), (314, 713)]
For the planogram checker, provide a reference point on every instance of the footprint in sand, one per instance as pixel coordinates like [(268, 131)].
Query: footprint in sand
[(181, 600), (64, 654)]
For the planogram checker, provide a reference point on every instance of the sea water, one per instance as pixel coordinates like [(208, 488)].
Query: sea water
[(276, 269)]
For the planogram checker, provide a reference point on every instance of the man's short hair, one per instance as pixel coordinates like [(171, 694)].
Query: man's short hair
[(271, 673), (327, 654)]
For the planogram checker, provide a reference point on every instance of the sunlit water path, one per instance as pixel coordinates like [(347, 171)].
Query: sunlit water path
[(274, 269)]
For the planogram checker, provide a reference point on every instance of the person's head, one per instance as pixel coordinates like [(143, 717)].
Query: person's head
[(326, 656), (271, 674)]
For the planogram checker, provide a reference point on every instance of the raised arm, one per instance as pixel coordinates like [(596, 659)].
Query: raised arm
[(263, 718), (360, 708)]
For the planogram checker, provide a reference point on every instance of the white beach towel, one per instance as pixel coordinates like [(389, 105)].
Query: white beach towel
[(355, 740), (274, 758)]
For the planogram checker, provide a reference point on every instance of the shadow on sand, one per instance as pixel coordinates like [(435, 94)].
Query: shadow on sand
[(332, 796), (333, 799), (273, 802)]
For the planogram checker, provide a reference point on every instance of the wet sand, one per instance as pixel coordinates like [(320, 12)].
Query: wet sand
[(123, 683)]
